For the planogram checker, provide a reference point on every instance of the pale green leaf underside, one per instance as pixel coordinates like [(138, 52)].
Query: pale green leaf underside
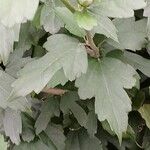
[(105, 80), (69, 54), (131, 34)]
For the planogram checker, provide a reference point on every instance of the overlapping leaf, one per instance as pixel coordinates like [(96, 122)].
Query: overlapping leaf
[(69, 20), (20, 103), (56, 135), (3, 144), (28, 133), (138, 62), (131, 34), (48, 110), (7, 39), (147, 14), (105, 80), (91, 124), (12, 125), (105, 26), (145, 113), (85, 20), (35, 145), (80, 140), (69, 103), (59, 78), (15, 63), (147, 9), (17, 11), (68, 54), (118, 8), (50, 21)]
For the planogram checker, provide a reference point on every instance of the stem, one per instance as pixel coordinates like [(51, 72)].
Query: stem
[(68, 5), (92, 44)]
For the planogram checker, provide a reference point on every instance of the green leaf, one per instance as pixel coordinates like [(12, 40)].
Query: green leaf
[(145, 113), (47, 141), (6, 100), (3, 144), (25, 39), (7, 39), (138, 62), (131, 34), (147, 14), (146, 140), (118, 8), (74, 61), (35, 145), (16, 12), (105, 80), (28, 35), (148, 27), (15, 63), (105, 26), (147, 9), (48, 110), (28, 133), (80, 140), (69, 54), (91, 124), (55, 133), (50, 21), (36, 20), (68, 103), (85, 20), (130, 134), (106, 127), (85, 3), (59, 78), (138, 100), (70, 22), (12, 125)]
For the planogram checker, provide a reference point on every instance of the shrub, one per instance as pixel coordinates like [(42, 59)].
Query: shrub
[(74, 74)]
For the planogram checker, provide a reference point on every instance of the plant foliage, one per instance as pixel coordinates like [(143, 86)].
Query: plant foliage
[(74, 74)]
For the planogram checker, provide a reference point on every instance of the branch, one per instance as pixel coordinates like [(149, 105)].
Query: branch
[(54, 91)]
